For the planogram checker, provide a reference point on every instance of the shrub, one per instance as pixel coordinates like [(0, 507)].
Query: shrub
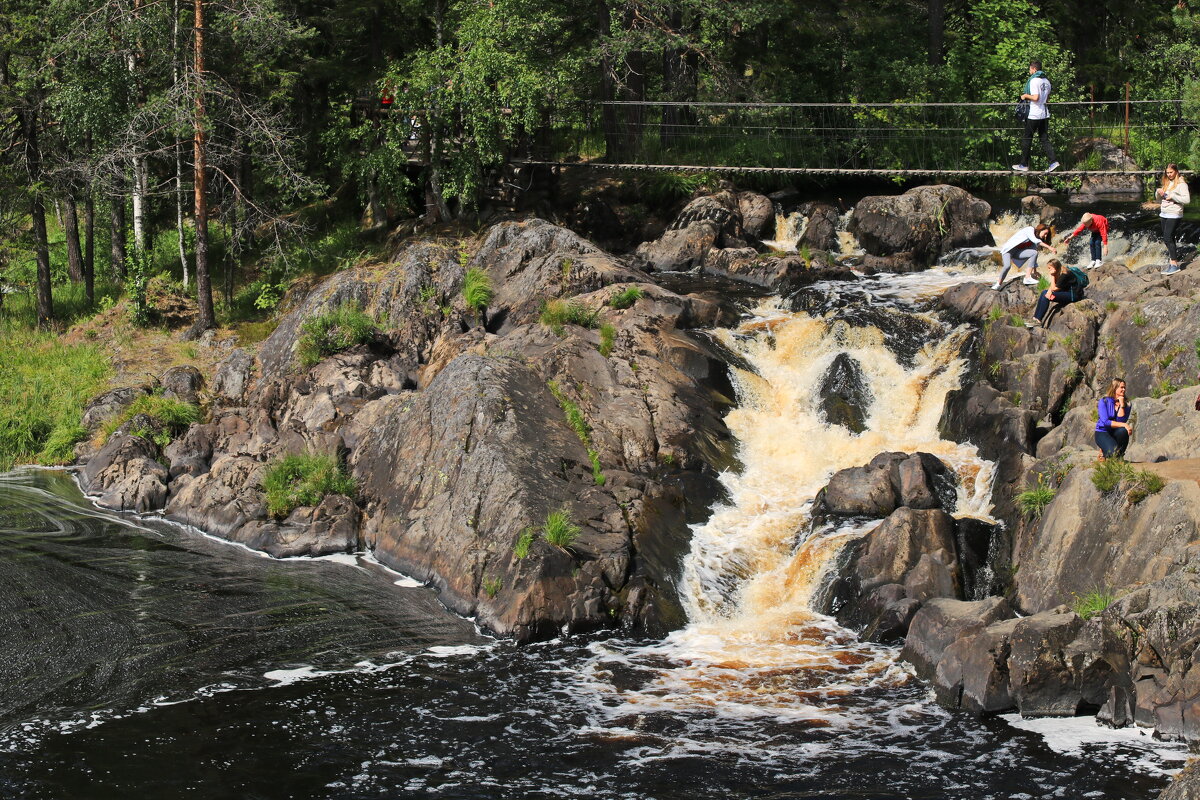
[(1143, 484), (303, 480), (608, 335), (559, 530), (1093, 603), (556, 314), (1034, 501), (521, 548), (1139, 483), (995, 314), (477, 290), (1108, 474), (332, 332), (174, 415), (626, 297)]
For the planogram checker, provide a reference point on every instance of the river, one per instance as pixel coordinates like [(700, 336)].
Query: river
[(142, 659)]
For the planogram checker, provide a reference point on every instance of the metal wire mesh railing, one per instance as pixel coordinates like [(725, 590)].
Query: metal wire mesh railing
[(1130, 136)]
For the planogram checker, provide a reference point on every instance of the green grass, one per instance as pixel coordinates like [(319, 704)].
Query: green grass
[(174, 415), (995, 314), (1163, 388), (1093, 603), (1034, 501), (477, 290), (303, 480), (608, 335), (582, 429), (1111, 305), (626, 297), (44, 385), (524, 541), (1016, 320), (332, 332), (1043, 284), (493, 586), (559, 530), (557, 314), (1117, 472), (1139, 319)]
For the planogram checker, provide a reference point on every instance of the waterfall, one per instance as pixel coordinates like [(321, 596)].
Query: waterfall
[(753, 645)]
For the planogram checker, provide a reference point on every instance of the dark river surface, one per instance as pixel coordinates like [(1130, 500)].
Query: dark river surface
[(142, 660)]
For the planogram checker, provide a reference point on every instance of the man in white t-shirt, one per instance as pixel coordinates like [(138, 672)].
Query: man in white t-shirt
[(1037, 92)]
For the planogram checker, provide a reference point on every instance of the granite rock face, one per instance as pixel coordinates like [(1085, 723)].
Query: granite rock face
[(925, 222)]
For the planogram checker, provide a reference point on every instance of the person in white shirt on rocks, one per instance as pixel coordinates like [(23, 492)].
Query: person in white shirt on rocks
[(1037, 92)]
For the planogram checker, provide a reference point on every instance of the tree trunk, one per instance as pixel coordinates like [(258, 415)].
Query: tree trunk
[(89, 247), (207, 318), (71, 232), (141, 168), (178, 148), (937, 31), (116, 232), (37, 211)]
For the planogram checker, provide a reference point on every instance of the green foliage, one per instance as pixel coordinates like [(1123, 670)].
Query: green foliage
[(174, 415), (557, 314), (1111, 305), (1093, 603), (1138, 483), (332, 332), (1139, 319), (1144, 483), (607, 338), (44, 385), (1034, 501), (626, 297), (1043, 284), (524, 541), (492, 586), (1163, 388), (477, 290), (559, 530), (137, 276), (995, 314), (303, 480)]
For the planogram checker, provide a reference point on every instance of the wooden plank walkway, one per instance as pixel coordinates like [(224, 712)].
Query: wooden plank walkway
[(831, 170)]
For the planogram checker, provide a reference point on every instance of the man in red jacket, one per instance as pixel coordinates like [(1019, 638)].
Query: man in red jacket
[(1098, 225)]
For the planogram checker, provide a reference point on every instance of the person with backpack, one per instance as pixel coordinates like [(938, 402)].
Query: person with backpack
[(1173, 195), (1098, 226), (1066, 286), (1037, 92)]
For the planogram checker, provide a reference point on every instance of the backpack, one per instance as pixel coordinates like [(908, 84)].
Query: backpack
[(1081, 281), (1021, 110)]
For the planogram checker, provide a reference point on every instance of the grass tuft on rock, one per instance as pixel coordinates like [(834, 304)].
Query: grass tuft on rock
[(608, 337), (1117, 472), (524, 542), (578, 424), (1093, 603), (477, 290), (557, 314), (174, 415), (626, 297), (303, 480), (1034, 501), (332, 332), (559, 530)]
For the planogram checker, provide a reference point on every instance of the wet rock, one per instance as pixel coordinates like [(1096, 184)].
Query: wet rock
[(820, 233), (1111, 159), (1037, 206), (720, 210), (887, 482), (680, 249), (758, 214), (845, 394), (233, 377), (182, 383), (125, 473), (905, 335), (222, 500), (943, 621), (972, 672), (330, 527), (1186, 784), (927, 221), (1051, 672)]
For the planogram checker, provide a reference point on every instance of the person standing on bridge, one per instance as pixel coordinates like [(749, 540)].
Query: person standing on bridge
[(1037, 92)]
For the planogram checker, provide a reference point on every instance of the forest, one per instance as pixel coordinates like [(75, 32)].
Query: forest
[(222, 143)]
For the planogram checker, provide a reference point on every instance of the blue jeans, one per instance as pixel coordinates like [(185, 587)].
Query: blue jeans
[(1043, 303), (1097, 247), (1112, 442)]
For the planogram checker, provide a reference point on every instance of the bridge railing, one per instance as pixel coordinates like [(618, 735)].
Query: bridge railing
[(874, 136)]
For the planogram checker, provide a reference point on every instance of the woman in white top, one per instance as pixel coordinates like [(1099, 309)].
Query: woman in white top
[(1174, 196), (1023, 247)]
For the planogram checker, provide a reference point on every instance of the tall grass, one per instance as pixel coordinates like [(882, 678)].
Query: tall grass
[(557, 314), (174, 415), (44, 385), (477, 290), (303, 480), (559, 530), (332, 332)]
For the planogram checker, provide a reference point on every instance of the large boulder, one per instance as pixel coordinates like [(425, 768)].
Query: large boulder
[(681, 248), (821, 227), (943, 621), (182, 383), (926, 221), (233, 377), (758, 214), (125, 474), (845, 394), (887, 482), (1115, 166), (721, 210)]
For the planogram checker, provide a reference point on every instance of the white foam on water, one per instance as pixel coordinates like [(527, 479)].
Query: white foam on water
[(1077, 735)]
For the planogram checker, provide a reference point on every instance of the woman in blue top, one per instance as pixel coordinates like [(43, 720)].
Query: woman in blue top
[(1112, 425)]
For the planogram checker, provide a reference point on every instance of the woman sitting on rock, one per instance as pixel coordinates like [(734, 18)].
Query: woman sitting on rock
[(1023, 247), (1064, 288), (1112, 426)]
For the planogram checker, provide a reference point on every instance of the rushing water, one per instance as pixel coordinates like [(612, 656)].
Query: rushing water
[(141, 659)]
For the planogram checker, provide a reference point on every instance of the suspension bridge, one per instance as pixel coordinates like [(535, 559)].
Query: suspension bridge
[(1129, 137)]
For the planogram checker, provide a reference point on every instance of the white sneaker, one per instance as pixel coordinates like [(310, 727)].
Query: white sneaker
[(1020, 168), (1052, 167), (1028, 281), (1095, 263), (996, 287), (1032, 323)]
